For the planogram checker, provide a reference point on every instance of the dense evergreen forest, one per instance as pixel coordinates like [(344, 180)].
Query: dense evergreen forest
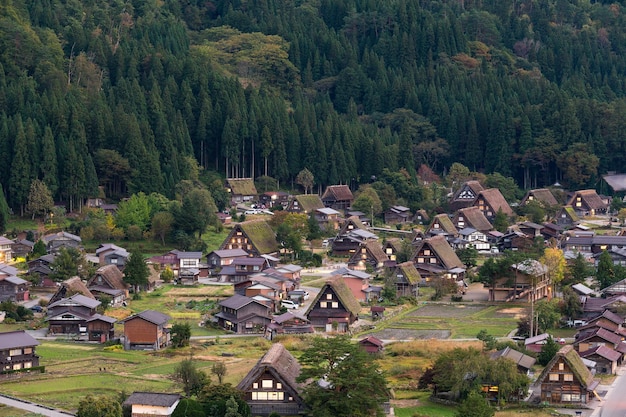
[(135, 95)]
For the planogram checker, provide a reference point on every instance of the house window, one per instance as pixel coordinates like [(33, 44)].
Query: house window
[(568, 377), (15, 352), (279, 385), (566, 397), (28, 365), (28, 351), (267, 383), (426, 252), (329, 296), (433, 260), (420, 260), (576, 398), (335, 304), (323, 304), (561, 366), (554, 377), (255, 385), (17, 366)]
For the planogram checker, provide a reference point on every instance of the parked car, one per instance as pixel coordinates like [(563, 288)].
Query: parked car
[(297, 294), (289, 304), (36, 308), (253, 211)]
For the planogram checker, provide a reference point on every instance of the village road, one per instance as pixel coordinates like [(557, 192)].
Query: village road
[(32, 408), (614, 404)]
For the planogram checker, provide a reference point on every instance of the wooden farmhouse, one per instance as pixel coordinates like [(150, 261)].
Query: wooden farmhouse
[(243, 315), (543, 196), (566, 217), (398, 215), (369, 255), (527, 281), (17, 352), (471, 217), (566, 379), (587, 203), (21, 248), (305, 203), (434, 257), (491, 201), (56, 241), (70, 287), (465, 195), (109, 281), (442, 225), (338, 197), (143, 404), (110, 254), (406, 278), (524, 362), (13, 288), (334, 308), (372, 345), (147, 330), (271, 386), (241, 190), (77, 316), (218, 259), (607, 360), (6, 253), (255, 237)]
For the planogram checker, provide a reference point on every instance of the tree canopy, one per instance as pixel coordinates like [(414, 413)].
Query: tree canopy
[(340, 379)]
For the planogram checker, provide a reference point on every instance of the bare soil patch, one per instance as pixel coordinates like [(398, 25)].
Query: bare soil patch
[(515, 312)]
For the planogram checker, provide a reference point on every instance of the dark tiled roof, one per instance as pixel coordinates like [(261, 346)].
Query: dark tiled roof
[(16, 339), (236, 301), (152, 398), (519, 358), (603, 351), (151, 316)]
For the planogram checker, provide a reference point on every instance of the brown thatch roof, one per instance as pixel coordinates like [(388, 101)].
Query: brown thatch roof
[(279, 363), (337, 193), (242, 186), (568, 355), (352, 220), (496, 200), (261, 235), (111, 275), (376, 251), (309, 202), (473, 185), (410, 272), (541, 195), (473, 217), (70, 287), (571, 213), (345, 296), (590, 198), (445, 224), (442, 249)]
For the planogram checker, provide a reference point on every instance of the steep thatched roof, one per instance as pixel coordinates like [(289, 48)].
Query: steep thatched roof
[(590, 198), (345, 296), (442, 249), (309, 202), (279, 363), (541, 195), (473, 217), (111, 275), (242, 186), (410, 273), (70, 287), (496, 200), (337, 193), (261, 235), (569, 356), (445, 224)]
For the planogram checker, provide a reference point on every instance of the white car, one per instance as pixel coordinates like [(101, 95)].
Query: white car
[(253, 211), (289, 304)]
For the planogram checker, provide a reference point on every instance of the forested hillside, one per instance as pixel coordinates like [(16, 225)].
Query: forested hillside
[(134, 95)]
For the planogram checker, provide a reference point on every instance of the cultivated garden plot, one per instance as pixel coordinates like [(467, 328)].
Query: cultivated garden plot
[(454, 321)]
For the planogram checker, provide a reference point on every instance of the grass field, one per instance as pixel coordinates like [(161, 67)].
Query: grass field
[(461, 320)]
